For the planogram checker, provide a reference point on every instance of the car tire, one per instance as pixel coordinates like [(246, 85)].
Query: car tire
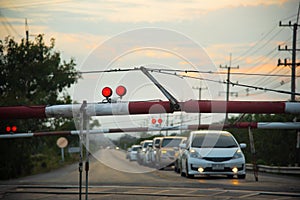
[(187, 171), (176, 168), (242, 176)]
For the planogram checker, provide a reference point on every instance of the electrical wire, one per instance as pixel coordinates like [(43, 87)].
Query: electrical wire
[(233, 84), (8, 26)]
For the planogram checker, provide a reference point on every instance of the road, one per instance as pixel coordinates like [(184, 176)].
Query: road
[(111, 176)]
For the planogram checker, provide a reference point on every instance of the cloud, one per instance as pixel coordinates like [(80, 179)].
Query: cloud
[(135, 11)]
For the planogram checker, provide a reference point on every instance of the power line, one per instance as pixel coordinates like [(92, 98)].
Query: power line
[(168, 72), (239, 58), (183, 71), (31, 4), (233, 84), (8, 26)]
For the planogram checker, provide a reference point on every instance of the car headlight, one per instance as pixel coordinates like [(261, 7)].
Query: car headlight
[(194, 154), (238, 154)]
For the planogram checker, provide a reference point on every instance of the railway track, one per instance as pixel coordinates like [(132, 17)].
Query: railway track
[(136, 192)]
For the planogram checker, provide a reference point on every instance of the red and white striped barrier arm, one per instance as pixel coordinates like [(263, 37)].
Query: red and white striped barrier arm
[(149, 107), (254, 125)]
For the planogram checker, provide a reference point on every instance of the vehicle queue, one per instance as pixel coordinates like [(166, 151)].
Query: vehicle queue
[(201, 153)]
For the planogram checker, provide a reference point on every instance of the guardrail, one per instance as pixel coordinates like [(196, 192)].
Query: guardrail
[(275, 169)]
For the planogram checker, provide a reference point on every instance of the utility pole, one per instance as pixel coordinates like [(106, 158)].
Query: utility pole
[(26, 31), (293, 64), (200, 88), (228, 82)]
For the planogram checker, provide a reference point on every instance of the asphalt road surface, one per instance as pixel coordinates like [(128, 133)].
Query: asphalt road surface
[(111, 176)]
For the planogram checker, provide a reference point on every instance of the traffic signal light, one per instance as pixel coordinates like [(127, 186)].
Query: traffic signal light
[(107, 92), (121, 91), (11, 129)]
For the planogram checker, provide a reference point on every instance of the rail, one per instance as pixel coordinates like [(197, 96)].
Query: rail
[(276, 169)]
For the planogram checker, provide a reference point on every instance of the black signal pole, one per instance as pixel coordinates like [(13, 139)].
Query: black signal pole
[(293, 64)]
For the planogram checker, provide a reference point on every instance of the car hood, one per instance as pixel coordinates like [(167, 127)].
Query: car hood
[(216, 152)]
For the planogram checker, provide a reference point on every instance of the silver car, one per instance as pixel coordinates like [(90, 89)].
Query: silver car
[(212, 153), (134, 151)]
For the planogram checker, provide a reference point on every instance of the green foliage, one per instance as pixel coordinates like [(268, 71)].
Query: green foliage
[(273, 147), (32, 73)]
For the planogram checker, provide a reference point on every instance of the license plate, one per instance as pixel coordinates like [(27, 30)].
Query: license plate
[(217, 166)]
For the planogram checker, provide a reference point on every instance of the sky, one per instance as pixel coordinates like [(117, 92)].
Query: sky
[(186, 35)]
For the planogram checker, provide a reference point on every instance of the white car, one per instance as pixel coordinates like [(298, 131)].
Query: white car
[(134, 151), (212, 153)]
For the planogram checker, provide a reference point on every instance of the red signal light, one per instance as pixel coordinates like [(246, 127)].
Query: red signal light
[(153, 121), (159, 120), (8, 129), (14, 128), (11, 128), (121, 90), (106, 92)]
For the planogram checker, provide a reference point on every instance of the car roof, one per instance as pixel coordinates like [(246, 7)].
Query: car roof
[(210, 132), (174, 137), (146, 141)]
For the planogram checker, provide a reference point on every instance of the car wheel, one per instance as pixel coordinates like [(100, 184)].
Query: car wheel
[(242, 176), (161, 167), (176, 167), (187, 171)]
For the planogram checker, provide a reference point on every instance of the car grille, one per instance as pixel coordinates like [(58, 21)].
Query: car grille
[(217, 159)]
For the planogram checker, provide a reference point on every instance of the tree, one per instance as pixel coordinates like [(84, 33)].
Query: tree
[(31, 73), (273, 147)]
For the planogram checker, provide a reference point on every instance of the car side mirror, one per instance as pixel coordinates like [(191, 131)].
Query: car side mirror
[(243, 145), (157, 146)]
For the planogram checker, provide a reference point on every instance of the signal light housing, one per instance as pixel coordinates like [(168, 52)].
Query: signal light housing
[(14, 128), (121, 91), (8, 129), (153, 121), (106, 92), (11, 129), (159, 120)]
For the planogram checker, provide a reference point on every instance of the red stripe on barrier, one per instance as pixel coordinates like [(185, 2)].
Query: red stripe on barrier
[(233, 107), (22, 112)]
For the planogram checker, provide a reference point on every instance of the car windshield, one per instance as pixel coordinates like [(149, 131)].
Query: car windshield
[(170, 142), (212, 140), (157, 141), (135, 148), (146, 144)]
